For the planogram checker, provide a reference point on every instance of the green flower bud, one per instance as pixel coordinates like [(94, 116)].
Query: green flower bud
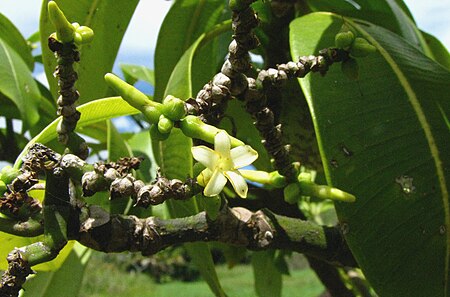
[(8, 174), (361, 48), (277, 180), (344, 39), (156, 135), (305, 177), (151, 113), (135, 98), (173, 108), (76, 25), (350, 69), (193, 127), (325, 192), (165, 125), (64, 30), (77, 38), (291, 193), (83, 35), (345, 28)]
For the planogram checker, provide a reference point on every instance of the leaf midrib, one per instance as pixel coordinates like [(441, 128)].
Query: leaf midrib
[(428, 135)]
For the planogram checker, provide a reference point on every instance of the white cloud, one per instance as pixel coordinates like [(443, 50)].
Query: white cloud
[(143, 30), (23, 13)]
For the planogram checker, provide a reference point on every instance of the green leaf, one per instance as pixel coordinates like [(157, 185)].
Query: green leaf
[(67, 278), (18, 85), (109, 19), (175, 160), (134, 73), (141, 145), (241, 120), (298, 130), (405, 9), (183, 24), (12, 36), (117, 147), (92, 112), (384, 138), (438, 50), (268, 280), (180, 82), (390, 14)]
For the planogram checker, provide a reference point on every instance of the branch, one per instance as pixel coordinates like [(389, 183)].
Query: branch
[(236, 226), (30, 228)]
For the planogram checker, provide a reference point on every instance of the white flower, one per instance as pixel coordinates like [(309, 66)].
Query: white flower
[(222, 163)]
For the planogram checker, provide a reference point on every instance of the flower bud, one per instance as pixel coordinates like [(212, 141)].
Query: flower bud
[(83, 35), (76, 25), (64, 30), (193, 127), (361, 48), (156, 135), (173, 108), (165, 125), (291, 193), (8, 174), (277, 180), (344, 39), (135, 98)]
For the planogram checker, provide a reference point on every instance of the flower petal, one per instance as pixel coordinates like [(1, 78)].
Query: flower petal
[(204, 177), (215, 184), (222, 144), (243, 155), (206, 156), (238, 182)]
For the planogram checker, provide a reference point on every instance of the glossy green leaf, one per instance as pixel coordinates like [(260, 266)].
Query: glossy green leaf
[(134, 73), (384, 138), (268, 279), (142, 147), (182, 26), (241, 121), (67, 278), (210, 54), (109, 19), (438, 50), (390, 14), (92, 112), (17, 84), (12, 36), (298, 130), (405, 9), (175, 160), (178, 85)]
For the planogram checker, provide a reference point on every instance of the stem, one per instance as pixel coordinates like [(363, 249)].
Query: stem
[(30, 228), (236, 226)]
